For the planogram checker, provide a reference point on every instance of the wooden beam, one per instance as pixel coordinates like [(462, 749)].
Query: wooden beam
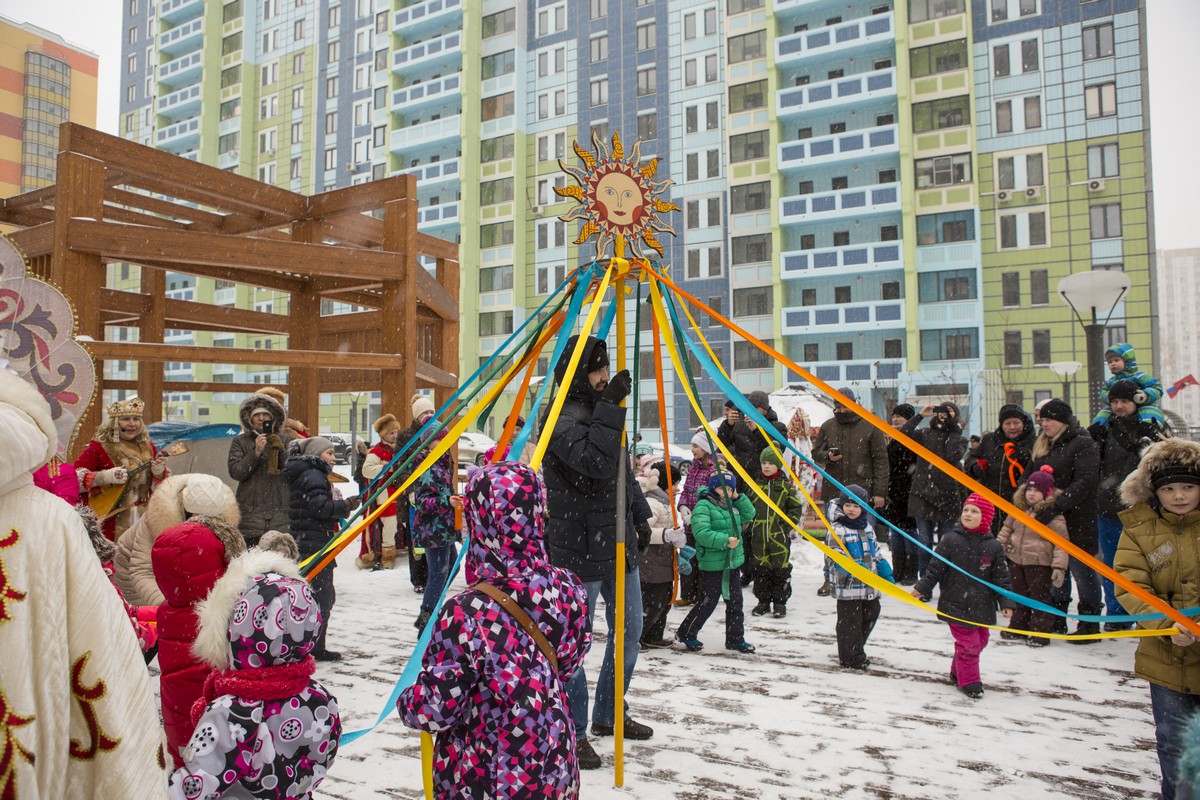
[(134, 303), (27, 217), (141, 244), (434, 376), (132, 217), (432, 294), (304, 310), (266, 280), (35, 241), (151, 329), (432, 246), (144, 351), (332, 386), (361, 198), (349, 323), (200, 219), (399, 301)]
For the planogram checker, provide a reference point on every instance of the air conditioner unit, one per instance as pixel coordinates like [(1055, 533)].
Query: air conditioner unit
[(536, 209), (1004, 195), (1033, 192), (1096, 185)]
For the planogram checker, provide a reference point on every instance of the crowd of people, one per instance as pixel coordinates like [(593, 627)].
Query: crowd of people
[(206, 579)]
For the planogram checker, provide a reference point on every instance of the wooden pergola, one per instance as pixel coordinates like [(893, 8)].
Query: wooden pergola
[(119, 201)]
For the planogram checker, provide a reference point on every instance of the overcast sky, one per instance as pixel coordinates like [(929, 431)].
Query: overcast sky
[(1174, 67)]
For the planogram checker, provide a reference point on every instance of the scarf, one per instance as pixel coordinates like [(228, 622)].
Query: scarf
[(858, 524), (256, 683), (1015, 470)]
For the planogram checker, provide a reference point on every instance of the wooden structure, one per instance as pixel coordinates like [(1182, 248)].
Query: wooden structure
[(119, 201)]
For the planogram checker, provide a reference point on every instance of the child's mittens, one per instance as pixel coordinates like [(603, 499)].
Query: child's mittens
[(674, 537), (1183, 639), (1140, 397), (1058, 577), (884, 569), (685, 515)]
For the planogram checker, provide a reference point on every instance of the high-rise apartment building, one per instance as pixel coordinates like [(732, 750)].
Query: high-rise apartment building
[(886, 191), (44, 82), (1179, 297)]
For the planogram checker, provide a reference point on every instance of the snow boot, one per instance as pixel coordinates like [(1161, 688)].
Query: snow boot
[(587, 755), (1086, 628), (423, 619), (762, 608), (780, 611), (972, 690), (388, 557), (365, 561), (825, 590)]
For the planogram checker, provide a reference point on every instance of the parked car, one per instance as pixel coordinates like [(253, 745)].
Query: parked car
[(472, 446)]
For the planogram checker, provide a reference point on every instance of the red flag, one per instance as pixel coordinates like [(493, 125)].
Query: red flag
[(1190, 380)]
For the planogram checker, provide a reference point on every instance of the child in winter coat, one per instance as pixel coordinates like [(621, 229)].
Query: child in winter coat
[(702, 468), (657, 568), (491, 695), (771, 538), (857, 603), (1034, 564), (1159, 551), (314, 513), (263, 726), (188, 559), (1122, 363), (433, 510), (718, 521), (971, 547)]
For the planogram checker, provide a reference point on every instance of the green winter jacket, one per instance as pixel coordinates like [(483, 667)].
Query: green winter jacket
[(770, 537), (712, 525)]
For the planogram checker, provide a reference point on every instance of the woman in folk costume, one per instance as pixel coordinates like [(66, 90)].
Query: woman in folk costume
[(383, 548), (122, 445), (79, 716)]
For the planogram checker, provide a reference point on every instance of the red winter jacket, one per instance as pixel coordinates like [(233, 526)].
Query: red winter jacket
[(188, 559)]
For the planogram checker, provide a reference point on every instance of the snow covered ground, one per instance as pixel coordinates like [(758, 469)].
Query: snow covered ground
[(787, 721)]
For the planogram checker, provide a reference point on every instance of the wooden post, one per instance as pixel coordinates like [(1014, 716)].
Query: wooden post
[(153, 325), (447, 341), (399, 329), (304, 314)]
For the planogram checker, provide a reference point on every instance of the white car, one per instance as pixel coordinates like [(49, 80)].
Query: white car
[(471, 447)]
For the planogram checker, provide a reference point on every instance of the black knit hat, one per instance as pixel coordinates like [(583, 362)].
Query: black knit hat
[(904, 410), (1011, 411), (1057, 410), (1175, 473), (1123, 390)]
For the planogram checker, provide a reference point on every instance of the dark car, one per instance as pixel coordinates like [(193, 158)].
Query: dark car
[(341, 447)]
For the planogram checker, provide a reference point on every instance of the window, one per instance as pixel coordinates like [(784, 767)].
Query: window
[(496, 235), (999, 10), (331, 158), (1100, 100), (1029, 55), (807, 241), (949, 344), (333, 52), (841, 294), (1027, 7), (1041, 347), (751, 249), (951, 112), (689, 27), (1034, 174), (1033, 112), (551, 233), (499, 64), (599, 92), (597, 9), (646, 35), (739, 6), (294, 169), (298, 64), (839, 182), (331, 87), (704, 213), (1103, 161), (947, 286), (755, 302), (703, 262), (298, 97), (1106, 221), (890, 290), (943, 171), (1012, 348), (231, 76), (808, 297), (747, 47), (330, 122), (952, 226), (551, 20), (689, 72), (599, 48), (1000, 64), (647, 126), (1010, 289), (812, 352), (841, 238), (496, 107), (267, 141), (710, 116), (746, 96), (922, 10), (268, 106), (1098, 41), (298, 30), (710, 69), (748, 146), (749, 197), (939, 58), (1039, 287), (647, 81), (231, 43), (1004, 116), (1023, 229), (230, 109), (496, 149), (495, 323), (493, 192), (335, 16), (499, 23), (747, 356)]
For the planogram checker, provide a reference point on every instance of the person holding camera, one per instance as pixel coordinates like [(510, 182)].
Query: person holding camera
[(256, 459)]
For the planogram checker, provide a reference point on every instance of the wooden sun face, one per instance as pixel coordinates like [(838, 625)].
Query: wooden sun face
[(617, 198)]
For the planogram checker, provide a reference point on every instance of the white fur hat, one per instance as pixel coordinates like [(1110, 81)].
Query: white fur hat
[(701, 441), (205, 494)]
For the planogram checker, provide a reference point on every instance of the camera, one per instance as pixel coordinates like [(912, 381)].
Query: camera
[(835, 451), (268, 427)]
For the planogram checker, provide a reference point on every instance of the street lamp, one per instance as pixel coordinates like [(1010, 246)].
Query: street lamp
[(1064, 370), (1090, 294)]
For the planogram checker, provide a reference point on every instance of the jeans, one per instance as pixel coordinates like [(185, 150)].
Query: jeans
[(1172, 711), (1110, 533), (1090, 596), (925, 530), (440, 560), (969, 642), (577, 689)]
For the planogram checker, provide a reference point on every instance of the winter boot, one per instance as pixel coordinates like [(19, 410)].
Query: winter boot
[(761, 609), (423, 619), (587, 755), (1085, 628), (388, 557), (365, 561), (825, 590), (780, 611), (1060, 623)]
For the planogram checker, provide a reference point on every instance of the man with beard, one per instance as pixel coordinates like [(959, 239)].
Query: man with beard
[(999, 463), (580, 471), (935, 502), (1121, 442)]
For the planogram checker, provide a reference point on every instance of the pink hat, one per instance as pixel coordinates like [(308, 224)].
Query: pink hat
[(985, 508)]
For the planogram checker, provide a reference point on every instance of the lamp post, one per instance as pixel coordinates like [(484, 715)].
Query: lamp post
[(1090, 294), (1064, 370)]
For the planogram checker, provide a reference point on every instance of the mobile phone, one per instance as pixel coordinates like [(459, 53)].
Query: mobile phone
[(268, 427), (835, 451)]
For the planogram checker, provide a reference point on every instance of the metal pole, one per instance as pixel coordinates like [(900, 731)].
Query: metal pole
[(619, 643), (1094, 336), (1066, 394)]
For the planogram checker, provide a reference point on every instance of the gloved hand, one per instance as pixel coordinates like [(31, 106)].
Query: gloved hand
[(274, 441), (982, 464), (619, 387), (1046, 514), (642, 527), (1140, 397), (352, 504), (675, 537), (1058, 577), (685, 516), (111, 477), (158, 467)]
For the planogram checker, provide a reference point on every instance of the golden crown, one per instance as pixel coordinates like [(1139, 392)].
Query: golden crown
[(132, 407)]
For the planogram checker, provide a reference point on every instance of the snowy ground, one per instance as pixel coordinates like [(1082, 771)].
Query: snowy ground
[(787, 722)]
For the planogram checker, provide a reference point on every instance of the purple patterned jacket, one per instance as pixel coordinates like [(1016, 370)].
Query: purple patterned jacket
[(497, 707)]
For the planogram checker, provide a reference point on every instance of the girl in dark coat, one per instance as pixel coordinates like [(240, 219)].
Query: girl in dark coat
[(1072, 454), (1004, 454), (314, 513), (936, 498), (972, 548)]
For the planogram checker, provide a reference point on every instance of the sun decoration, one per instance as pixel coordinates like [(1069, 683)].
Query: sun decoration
[(617, 198)]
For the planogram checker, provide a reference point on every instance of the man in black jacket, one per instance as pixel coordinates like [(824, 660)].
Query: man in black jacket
[(902, 462), (580, 470), (1121, 442)]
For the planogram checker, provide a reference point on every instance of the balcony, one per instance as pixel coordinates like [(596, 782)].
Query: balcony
[(844, 317), (181, 71), (852, 258), (181, 103), (179, 137), (857, 145), (439, 216), (961, 314), (837, 93), (857, 371), (177, 11), (840, 41), (435, 173), (438, 130), (419, 94), (883, 198), (429, 54), (182, 38), (421, 17)]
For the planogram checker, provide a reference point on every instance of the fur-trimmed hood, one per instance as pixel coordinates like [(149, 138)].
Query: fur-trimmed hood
[(189, 557), (166, 504), (261, 401), (1138, 487), (1020, 502), (215, 612)]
